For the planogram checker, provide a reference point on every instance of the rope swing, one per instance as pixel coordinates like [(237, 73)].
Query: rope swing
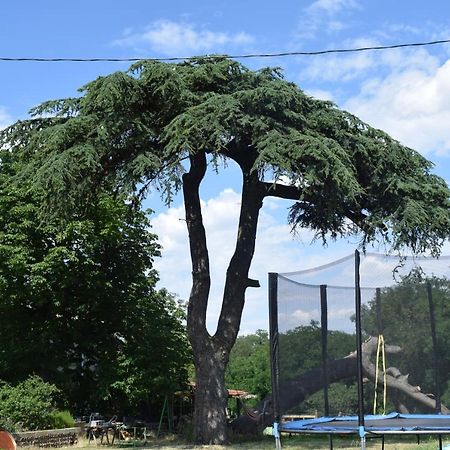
[(380, 359)]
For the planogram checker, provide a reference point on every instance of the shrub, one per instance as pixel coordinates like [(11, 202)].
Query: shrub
[(61, 419), (30, 405)]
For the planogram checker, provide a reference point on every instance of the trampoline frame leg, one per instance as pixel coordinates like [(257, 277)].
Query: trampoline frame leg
[(276, 434), (278, 443), (362, 435), (363, 443)]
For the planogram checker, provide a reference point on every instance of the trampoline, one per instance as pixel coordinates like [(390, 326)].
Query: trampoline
[(400, 305), (394, 423)]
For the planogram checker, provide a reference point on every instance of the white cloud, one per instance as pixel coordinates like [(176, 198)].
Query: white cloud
[(404, 29), (322, 16), (5, 118), (320, 94), (336, 25), (405, 92), (351, 66), (276, 251), (296, 318), (182, 38), (332, 6), (342, 68), (413, 105)]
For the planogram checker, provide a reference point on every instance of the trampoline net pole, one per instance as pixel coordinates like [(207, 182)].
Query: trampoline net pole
[(363, 443), (359, 346), (274, 350), (324, 338), (434, 348)]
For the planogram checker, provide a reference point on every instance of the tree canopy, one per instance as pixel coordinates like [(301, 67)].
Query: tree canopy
[(140, 126)]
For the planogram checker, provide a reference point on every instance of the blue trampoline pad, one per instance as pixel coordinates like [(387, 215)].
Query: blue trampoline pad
[(393, 423)]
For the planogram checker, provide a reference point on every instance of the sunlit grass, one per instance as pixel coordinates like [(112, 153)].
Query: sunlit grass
[(298, 442)]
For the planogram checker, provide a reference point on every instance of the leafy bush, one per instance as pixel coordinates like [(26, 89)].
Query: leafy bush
[(61, 419), (30, 405)]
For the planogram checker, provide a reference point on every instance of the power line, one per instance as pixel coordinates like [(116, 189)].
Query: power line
[(243, 56)]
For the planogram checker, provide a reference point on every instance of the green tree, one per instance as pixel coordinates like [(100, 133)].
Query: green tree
[(167, 123), (79, 305), (249, 366)]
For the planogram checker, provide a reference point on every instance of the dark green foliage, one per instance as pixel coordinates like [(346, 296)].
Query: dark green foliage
[(343, 400), (155, 359), (139, 126), (301, 351), (61, 419), (29, 405), (79, 306), (294, 361)]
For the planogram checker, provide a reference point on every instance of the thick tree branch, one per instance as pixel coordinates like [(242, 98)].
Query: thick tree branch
[(395, 380), (294, 193), (282, 191), (201, 282), (295, 391), (237, 280), (243, 153)]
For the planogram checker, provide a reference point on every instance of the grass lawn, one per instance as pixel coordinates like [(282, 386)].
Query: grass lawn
[(300, 442)]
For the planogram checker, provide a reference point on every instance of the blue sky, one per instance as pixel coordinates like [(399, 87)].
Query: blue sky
[(405, 92)]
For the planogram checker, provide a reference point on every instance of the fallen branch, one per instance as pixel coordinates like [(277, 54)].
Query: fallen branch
[(294, 392)]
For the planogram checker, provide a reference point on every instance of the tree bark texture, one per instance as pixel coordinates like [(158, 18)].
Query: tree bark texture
[(211, 397)]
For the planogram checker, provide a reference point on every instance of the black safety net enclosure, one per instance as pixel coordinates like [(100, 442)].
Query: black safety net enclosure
[(368, 334)]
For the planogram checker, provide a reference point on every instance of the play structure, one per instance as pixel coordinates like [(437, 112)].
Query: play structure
[(363, 344)]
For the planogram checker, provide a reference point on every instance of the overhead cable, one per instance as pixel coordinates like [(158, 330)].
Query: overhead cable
[(243, 56)]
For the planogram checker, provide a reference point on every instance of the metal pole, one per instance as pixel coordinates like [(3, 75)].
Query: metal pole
[(274, 354), (324, 338), (434, 340), (359, 351)]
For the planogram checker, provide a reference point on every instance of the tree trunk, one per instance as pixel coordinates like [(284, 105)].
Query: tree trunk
[(211, 397), (211, 353)]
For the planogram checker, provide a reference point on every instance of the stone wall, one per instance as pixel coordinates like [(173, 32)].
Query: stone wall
[(47, 438)]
